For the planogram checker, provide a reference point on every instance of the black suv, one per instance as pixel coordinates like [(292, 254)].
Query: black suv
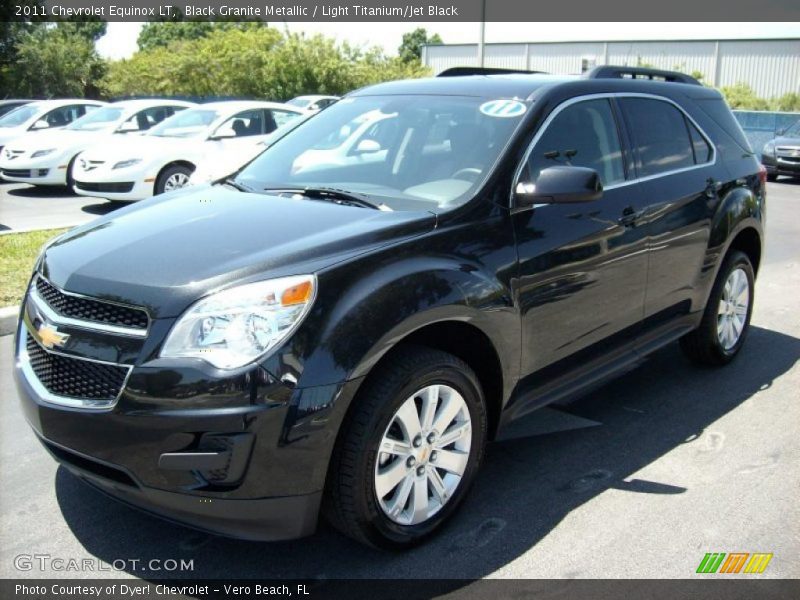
[(781, 155), (342, 326)]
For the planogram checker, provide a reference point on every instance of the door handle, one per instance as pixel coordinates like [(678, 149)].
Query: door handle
[(629, 216)]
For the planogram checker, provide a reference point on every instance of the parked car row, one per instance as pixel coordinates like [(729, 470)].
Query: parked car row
[(77, 142)]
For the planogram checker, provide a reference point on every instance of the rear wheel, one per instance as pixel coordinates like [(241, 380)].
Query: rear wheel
[(409, 451), (726, 319), (772, 177), (173, 178)]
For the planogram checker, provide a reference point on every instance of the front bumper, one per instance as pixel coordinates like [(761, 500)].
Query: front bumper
[(35, 173), (268, 487), (122, 184), (781, 165)]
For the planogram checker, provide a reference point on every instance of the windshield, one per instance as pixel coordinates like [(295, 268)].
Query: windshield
[(793, 131), (408, 152), (192, 122), (299, 102), (97, 119), (19, 116)]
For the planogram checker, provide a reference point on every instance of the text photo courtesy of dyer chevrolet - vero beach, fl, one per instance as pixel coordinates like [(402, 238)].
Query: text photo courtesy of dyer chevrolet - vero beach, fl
[(399, 299)]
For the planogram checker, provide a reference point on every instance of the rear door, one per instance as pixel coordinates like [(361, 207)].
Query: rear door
[(674, 161), (582, 267)]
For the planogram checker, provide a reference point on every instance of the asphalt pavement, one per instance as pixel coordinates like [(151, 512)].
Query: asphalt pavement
[(24, 207), (637, 480)]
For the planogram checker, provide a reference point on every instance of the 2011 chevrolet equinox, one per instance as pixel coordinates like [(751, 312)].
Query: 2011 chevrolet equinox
[(344, 331)]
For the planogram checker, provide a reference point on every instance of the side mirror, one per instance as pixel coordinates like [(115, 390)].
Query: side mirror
[(128, 127), (780, 131), (367, 147), (40, 124), (561, 185), (223, 133)]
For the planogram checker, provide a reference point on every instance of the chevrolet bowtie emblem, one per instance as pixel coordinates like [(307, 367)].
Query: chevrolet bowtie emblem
[(50, 337)]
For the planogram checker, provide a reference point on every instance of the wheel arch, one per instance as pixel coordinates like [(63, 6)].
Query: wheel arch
[(182, 162)]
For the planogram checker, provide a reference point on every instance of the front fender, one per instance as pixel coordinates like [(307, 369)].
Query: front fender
[(370, 314)]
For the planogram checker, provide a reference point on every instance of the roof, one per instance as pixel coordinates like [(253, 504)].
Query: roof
[(237, 105), (142, 102), (489, 86), (525, 86)]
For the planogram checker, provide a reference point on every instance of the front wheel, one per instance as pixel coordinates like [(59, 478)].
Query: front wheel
[(409, 450), (173, 178), (726, 319)]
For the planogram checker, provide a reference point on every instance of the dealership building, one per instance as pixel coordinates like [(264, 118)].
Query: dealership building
[(771, 67)]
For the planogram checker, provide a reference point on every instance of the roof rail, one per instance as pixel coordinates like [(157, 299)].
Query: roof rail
[(460, 71), (614, 72)]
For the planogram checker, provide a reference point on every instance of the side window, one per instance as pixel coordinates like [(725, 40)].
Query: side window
[(702, 149), (245, 123), (276, 118), (145, 119), (582, 135), (660, 135)]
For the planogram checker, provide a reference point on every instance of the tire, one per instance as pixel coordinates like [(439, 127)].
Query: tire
[(772, 177), (177, 175), (709, 344), (358, 466), (70, 178)]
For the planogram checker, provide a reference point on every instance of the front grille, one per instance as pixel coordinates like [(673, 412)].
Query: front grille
[(73, 377), (110, 188), (90, 310), (17, 172)]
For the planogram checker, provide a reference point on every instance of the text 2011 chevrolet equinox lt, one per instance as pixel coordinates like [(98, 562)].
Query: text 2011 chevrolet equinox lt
[(342, 336)]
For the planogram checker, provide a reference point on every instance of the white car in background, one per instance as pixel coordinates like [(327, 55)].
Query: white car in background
[(43, 115), (164, 158), (6, 106), (45, 158), (365, 139), (312, 103), (221, 164)]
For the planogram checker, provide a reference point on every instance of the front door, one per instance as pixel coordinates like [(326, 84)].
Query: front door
[(582, 267)]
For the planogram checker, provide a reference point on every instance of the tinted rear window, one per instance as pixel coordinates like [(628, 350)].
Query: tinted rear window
[(660, 135), (722, 116)]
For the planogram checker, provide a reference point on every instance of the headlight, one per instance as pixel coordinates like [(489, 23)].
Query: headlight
[(235, 326), (127, 163), (769, 148), (39, 153)]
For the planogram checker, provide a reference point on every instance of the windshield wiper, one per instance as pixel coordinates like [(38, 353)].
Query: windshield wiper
[(333, 195), (237, 185)]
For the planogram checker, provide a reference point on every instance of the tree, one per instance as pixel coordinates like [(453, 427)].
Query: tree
[(411, 47), (743, 97), (255, 62), (162, 33), (55, 61)]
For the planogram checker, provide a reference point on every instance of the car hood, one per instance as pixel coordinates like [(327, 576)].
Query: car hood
[(167, 252), (11, 133), (144, 147), (787, 141), (61, 139)]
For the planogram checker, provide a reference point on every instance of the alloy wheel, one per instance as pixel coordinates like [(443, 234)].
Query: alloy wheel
[(423, 455), (733, 307)]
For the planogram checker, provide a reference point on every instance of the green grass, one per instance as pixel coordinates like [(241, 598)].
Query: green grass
[(17, 253)]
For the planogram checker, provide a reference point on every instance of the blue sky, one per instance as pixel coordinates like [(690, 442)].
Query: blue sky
[(120, 41)]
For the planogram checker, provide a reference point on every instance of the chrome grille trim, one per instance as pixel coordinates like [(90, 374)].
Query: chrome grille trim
[(24, 364), (58, 319)]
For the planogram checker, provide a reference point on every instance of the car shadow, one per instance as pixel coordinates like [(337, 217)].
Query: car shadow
[(42, 191), (104, 207), (526, 487)]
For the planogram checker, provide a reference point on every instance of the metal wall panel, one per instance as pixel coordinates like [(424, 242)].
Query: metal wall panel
[(771, 68)]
